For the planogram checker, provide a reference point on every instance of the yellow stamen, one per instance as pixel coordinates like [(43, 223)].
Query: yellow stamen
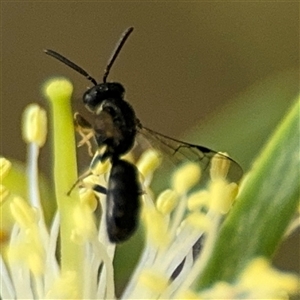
[(222, 195), (35, 125), (28, 247), (259, 274), (219, 166), (166, 202), (148, 162), (186, 177)]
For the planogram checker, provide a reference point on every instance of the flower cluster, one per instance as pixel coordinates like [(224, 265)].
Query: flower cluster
[(181, 228)]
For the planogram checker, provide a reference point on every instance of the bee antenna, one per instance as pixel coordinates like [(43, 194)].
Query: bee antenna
[(70, 64), (116, 52)]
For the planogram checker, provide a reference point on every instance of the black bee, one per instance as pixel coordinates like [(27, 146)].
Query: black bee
[(116, 127)]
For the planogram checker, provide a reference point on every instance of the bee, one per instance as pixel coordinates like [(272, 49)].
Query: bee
[(116, 127)]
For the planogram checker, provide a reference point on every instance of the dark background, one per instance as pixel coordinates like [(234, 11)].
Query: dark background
[(228, 70)]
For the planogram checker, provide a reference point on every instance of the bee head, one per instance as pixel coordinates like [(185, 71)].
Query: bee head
[(94, 96)]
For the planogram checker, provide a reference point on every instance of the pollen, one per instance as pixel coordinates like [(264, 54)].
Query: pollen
[(148, 162), (34, 125), (166, 202), (219, 166), (186, 177), (154, 281)]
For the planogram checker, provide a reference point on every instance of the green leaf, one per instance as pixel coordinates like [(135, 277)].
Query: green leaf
[(266, 204)]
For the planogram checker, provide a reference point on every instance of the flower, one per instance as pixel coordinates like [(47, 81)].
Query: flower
[(182, 227)]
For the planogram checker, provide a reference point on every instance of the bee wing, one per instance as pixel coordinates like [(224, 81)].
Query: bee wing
[(178, 151)]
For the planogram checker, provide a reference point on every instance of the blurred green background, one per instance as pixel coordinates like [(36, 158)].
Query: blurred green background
[(217, 74)]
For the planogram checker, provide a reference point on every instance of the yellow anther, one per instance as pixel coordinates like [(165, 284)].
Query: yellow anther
[(199, 221), (5, 166), (186, 177), (166, 202), (198, 200), (34, 125), (219, 166), (259, 274), (24, 215), (222, 195), (153, 281), (148, 162), (232, 190)]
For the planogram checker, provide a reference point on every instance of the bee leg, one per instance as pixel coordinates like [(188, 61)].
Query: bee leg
[(85, 129), (100, 189), (80, 178), (90, 171)]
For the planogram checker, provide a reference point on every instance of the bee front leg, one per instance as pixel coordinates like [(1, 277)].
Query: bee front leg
[(85, 129)]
